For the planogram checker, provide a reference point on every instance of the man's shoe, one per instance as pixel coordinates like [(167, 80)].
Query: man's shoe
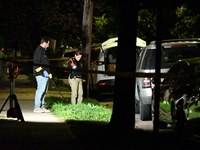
[(38, 110), (45, 110)]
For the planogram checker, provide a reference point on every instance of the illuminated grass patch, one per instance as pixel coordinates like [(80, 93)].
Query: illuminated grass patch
[(81, 112), (89, 110)]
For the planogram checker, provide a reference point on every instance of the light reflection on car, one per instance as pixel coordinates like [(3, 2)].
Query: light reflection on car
[(180, 97)]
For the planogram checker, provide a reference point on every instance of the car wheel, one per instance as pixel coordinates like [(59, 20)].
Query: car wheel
[(145, 111)]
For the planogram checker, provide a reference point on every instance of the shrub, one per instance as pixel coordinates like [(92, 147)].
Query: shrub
[(81, 112), (89, 110)]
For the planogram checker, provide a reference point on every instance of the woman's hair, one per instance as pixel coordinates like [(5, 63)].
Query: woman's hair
[(78, 53)]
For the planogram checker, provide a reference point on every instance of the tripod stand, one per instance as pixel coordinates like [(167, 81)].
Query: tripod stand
[(15, 110)]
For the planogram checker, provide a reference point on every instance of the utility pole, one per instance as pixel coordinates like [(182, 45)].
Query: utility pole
[(87, 39)]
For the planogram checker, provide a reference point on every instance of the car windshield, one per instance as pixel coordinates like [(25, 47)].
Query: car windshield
[(111, 54), (169, 56)]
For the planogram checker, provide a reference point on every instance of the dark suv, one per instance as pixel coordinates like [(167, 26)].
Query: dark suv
[(180, 95), (172, 50)]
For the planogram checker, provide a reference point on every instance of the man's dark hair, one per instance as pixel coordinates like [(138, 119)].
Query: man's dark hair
[(44, 39)]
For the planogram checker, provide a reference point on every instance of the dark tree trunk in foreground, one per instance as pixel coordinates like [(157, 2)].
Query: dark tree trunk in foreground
[(86, 40), (124, 98)]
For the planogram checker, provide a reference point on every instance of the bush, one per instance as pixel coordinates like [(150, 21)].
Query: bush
[(89, 110), (81, 112)]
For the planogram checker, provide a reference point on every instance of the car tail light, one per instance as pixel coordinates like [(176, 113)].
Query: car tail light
[(146, 83), (2, 49), (99, 63), (102, 83), (181, 45)]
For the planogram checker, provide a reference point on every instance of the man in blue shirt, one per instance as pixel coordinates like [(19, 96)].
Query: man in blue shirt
[(42, 73)]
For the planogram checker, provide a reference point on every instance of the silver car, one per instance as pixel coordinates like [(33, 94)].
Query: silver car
[(172, 50)]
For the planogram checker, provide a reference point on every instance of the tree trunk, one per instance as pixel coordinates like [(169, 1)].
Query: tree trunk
[(87, 39), (124, 97)]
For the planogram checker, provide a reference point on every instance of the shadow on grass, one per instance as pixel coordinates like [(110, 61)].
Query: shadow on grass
[(85, 135)]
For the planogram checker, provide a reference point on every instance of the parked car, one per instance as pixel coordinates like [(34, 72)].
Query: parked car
[(172, 50), (103, 83), (180, 95)]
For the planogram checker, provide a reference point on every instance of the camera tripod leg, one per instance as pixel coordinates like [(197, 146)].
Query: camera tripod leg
[(15, 112), (19, 116), (5, 103), (19, 109)]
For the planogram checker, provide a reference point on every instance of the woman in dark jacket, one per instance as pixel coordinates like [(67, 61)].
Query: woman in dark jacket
[(75, 78)]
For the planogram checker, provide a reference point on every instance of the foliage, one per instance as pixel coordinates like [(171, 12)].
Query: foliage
[(91, 101), (89, 110), (194, 112), (81, 112), (187, 24), (147, 24), (180, 20), (100, 22), (105, 22), (23, 22)]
